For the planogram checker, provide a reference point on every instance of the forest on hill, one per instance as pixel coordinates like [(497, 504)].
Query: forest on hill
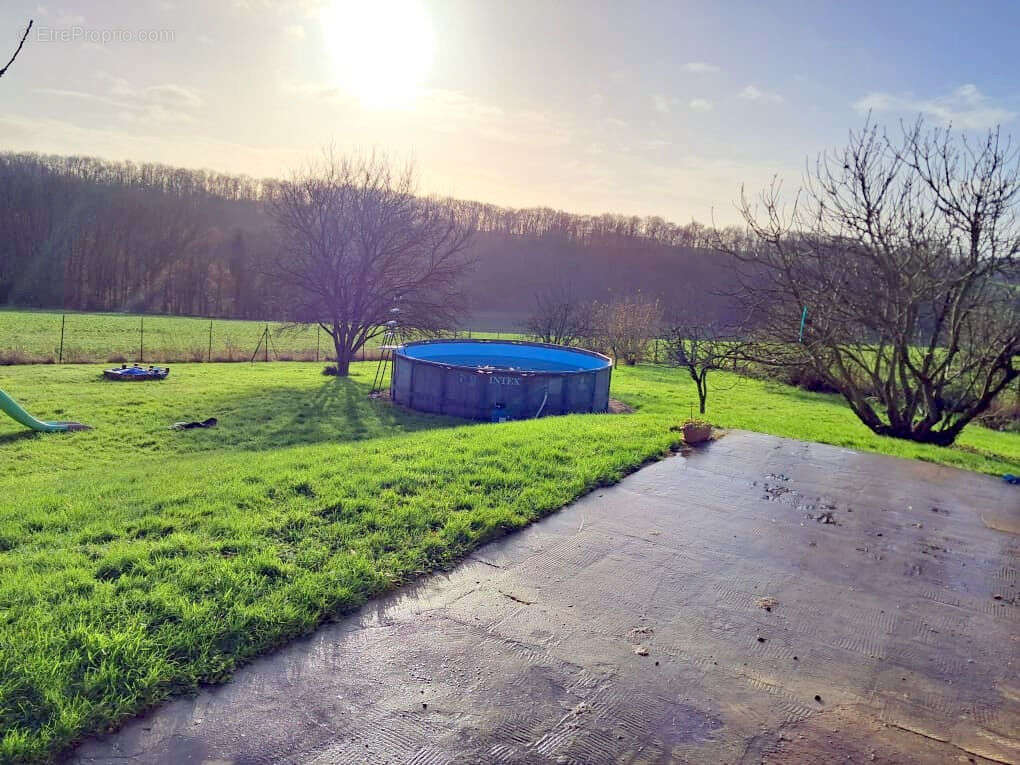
[(81, 233)]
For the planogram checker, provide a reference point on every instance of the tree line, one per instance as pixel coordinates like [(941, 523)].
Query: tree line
[(87, 234)]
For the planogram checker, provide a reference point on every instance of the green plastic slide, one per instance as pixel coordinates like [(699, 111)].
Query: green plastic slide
[(11, 408)]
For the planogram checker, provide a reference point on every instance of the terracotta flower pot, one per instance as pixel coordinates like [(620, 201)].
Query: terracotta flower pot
[(696, 432)]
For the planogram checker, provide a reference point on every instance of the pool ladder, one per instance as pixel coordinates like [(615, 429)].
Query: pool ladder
[(391, 342)]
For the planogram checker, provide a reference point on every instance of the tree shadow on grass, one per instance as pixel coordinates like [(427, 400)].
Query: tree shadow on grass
[(800, 394), (338, 411)]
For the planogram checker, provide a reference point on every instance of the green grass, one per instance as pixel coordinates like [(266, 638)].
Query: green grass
[(30, 337), (34, 336), (138, 562)]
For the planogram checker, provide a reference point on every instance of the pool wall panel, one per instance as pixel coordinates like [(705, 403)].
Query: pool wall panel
[(429, 385)]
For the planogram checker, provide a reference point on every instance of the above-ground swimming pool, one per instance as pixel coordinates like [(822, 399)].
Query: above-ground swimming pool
[(499, 379)]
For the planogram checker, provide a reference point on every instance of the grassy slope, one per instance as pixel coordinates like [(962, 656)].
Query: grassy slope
[(34, 336), (126, 576)]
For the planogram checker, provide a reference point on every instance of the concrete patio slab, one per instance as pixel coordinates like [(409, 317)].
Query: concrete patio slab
[(759, 600)]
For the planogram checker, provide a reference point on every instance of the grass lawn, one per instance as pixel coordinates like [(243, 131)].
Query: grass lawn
[(137, 562)]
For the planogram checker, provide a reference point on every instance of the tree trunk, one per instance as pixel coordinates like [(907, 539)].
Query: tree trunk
[(702, 381), (343, 358), (907, 433)]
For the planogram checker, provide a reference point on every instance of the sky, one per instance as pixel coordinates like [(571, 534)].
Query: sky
[(638, 107)]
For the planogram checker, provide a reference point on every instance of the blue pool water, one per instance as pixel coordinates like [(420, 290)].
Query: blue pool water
[(508, 356)]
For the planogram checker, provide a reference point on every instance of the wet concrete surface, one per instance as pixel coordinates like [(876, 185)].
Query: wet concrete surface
[(797, 603)]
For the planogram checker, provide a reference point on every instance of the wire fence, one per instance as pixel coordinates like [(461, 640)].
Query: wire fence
[(29, 337)]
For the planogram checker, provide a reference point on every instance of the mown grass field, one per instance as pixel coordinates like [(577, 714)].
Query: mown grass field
[(138, 562), (33, 337)]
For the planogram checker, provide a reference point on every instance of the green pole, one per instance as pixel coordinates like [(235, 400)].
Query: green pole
[(210, 340), (60, 355), (803, 318)]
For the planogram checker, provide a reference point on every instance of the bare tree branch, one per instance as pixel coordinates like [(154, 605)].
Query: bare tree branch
[(703, 348), (901, 259), (624, 326), (560, 317), (358, 243), (20, 46)]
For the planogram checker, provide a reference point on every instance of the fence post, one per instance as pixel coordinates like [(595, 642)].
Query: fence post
[(141, 340), (60, 354), (210, 340)]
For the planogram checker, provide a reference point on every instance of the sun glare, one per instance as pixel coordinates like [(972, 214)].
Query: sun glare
[(382, 49)]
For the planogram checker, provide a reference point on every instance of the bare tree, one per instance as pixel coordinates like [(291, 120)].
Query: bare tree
[(701, 349), (358, 242), (893, 274), (18, 49), (560, 317), (625, 326)]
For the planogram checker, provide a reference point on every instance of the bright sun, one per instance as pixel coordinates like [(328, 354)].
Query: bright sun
[(382, 49)]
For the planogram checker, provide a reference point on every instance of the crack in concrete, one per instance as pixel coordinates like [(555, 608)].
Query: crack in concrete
[(517, 599), (487, 563), (941, 740)]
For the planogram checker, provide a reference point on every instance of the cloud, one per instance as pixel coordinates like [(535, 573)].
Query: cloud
[(661, 103), (966, 107), (168, 96), (699, 67), (700, 105), (156, 115), (156, 104), (448, 112), (23, 133), (316, 91), (171, 95), (751, 93), (307, 8), (294, 31), (66, 19), (94, 47), (453, 112)]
